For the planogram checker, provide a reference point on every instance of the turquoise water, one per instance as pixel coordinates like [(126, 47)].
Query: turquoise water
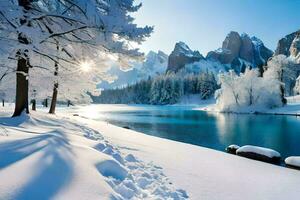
[(212, 130)]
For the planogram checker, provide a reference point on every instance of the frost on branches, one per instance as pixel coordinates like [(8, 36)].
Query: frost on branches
[(248, 92), (58, 36)]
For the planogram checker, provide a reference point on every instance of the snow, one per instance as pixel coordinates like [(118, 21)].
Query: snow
[(203, 66), (292, 107), (233, 146), (257, 42), (182, 48), (153, 65), (293, 161), (67, 157), (56, 157), (259, 150)]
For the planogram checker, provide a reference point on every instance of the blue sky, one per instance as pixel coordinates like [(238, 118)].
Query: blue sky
[(203, 24)]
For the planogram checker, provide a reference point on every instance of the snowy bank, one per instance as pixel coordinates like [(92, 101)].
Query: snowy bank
[(102, 161)]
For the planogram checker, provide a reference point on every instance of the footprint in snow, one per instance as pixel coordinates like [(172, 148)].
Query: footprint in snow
[(133, 179)]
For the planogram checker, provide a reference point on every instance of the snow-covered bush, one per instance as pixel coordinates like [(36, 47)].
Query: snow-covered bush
[(247, 92)]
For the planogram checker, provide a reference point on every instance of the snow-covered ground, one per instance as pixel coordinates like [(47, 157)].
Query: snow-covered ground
[(70, 157), (292, 107)]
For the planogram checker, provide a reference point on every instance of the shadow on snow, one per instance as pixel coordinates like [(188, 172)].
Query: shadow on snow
[(54, 169)]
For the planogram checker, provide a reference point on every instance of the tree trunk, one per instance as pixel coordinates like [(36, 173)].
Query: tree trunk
[(283, 99), (33, 105), (21, 103), (54, 99), (45, 103), (55, 90), (68, 103), (3, 102)]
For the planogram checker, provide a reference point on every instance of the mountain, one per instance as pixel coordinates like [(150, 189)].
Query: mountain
[(240, 50), (182, 55), (237, 52), (154, 64), (290, 46)]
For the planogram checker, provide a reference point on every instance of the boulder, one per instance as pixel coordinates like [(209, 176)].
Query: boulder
[(293, 162), (232, 148), (259, 153)]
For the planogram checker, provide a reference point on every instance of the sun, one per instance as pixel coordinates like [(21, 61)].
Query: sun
[(86, 66)]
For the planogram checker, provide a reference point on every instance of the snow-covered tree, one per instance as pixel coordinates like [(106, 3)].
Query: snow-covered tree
[(163, 89), (247, 92), (206, 85), (55, 29), (285, 70)]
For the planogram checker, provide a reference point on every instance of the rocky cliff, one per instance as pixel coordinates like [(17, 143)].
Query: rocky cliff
[(290, 46), (239, 51), (182, 55)]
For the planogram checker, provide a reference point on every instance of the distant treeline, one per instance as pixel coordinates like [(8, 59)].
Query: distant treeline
[(161, 90)]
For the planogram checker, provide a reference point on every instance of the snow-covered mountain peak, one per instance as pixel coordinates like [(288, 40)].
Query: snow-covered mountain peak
[(245, 35), (256, 41), (182, 48), (182, 55), (155, 63), (153, 57), (240, 50)]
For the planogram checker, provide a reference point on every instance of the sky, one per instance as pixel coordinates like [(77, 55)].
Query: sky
[(204, 24)]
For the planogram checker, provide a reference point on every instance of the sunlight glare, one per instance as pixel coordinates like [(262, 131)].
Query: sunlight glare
[(86, 66)]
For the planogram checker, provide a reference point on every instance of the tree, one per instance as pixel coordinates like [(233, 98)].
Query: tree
[(6, 83), (284, 70), (39, 28), (247, 92)]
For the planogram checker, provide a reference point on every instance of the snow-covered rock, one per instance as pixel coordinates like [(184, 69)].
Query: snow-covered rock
[(259, 153), (293, 161), (232, 148)]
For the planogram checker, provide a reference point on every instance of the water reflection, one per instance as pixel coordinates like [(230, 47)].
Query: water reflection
[(213, 130)]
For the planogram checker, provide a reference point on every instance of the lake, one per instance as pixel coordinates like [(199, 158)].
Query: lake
[(213, 130)]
